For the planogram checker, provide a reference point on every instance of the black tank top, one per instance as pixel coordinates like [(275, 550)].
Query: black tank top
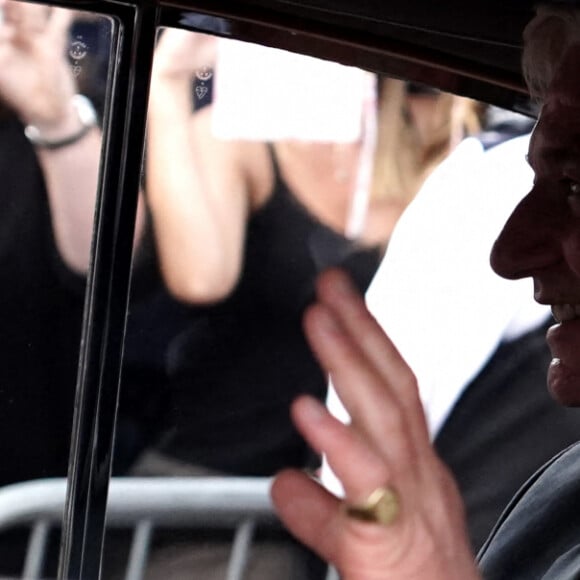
[(239, 364)]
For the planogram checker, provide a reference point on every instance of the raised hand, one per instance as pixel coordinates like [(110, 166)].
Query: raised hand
[(385, 447), (181, 53), (35, 77)]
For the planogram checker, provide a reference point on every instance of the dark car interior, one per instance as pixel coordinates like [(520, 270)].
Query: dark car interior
[(472, 50)]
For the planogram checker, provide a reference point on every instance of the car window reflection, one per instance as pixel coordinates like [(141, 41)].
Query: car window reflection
[(53, 81)]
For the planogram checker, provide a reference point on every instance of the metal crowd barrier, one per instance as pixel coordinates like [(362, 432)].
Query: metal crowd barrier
[(144, 504)]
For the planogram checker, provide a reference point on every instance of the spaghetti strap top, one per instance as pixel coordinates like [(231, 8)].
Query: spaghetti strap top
[(239, 364)]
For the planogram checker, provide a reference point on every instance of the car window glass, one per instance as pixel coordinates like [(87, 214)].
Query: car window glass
[(260, 172), (54, 66)]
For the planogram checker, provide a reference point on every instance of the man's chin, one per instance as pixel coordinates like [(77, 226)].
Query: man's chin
[(564, 384)]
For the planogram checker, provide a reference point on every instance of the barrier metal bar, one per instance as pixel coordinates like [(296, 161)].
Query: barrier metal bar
[(139, 550), (169, 502), (36, 550), (240, 550), (144, 504)]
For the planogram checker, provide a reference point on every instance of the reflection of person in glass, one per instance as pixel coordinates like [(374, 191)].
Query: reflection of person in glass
[(49, 155), (48, 186), (37, 86)]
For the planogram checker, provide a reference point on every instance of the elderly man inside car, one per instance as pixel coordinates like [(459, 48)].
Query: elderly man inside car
[(402, 517)]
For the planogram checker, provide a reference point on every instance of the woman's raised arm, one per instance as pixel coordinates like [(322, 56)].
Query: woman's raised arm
[(36, 82), (195, 184)]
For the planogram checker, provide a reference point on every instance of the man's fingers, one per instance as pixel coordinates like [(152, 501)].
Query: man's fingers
[(359, 468), (336, 290), (308, 511), (381, 358), (369, 400)]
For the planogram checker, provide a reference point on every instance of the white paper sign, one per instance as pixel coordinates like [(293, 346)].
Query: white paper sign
[(267, 94)]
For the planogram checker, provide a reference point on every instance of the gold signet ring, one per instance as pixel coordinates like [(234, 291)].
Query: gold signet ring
[(381, 507)]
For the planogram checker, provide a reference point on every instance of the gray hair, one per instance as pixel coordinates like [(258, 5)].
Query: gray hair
[(547, 37)]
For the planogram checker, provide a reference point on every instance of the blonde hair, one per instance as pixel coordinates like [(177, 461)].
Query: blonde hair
[(547, 37), (405, 156)]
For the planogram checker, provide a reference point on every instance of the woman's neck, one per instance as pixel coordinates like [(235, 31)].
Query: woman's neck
[(322, 176)]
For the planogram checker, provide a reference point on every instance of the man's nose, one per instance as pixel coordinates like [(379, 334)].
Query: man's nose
[(528, 241)]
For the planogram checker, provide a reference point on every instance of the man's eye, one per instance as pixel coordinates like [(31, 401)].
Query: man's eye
[(573, 187)]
